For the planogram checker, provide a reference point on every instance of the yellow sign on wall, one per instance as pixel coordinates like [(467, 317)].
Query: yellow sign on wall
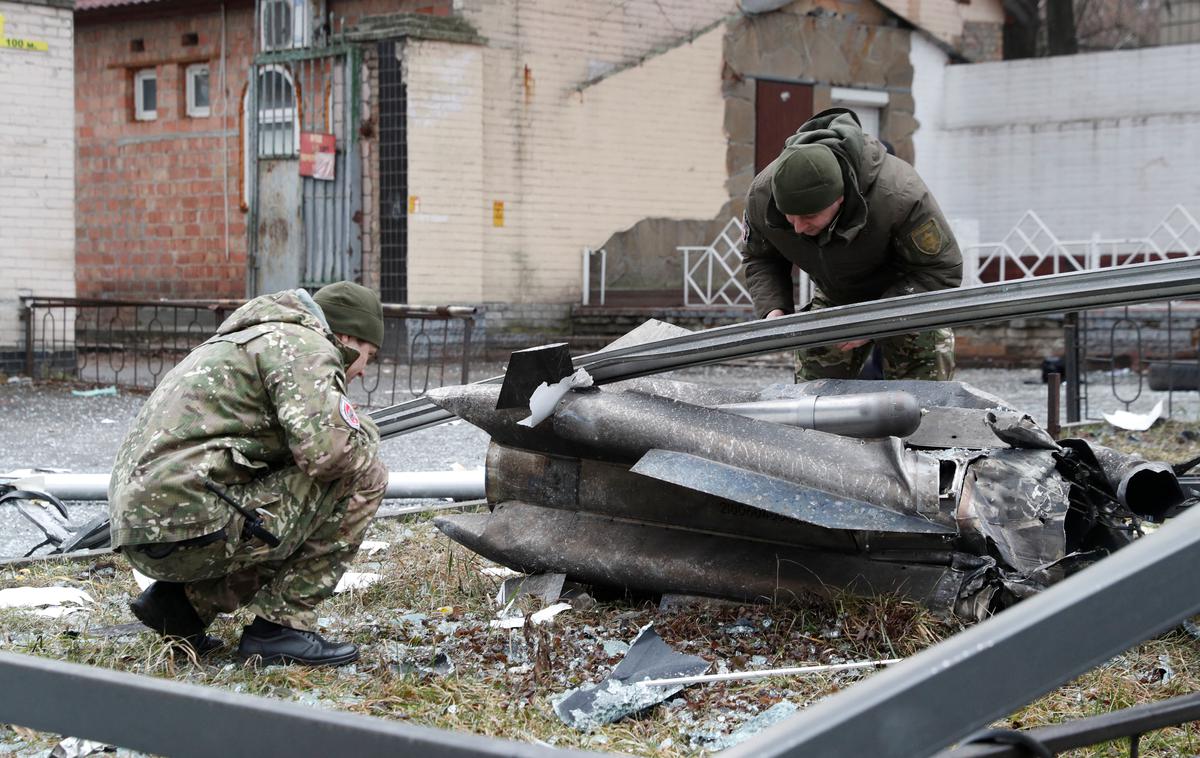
[(20, 44), (498, 213)]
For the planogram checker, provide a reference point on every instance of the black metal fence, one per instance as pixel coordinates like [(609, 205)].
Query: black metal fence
[(133, 343)]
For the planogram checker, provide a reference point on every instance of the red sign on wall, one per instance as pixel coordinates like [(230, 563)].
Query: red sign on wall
[(318, 155)]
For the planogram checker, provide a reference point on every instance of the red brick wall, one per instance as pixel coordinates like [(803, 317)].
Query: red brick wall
[(150, 195)]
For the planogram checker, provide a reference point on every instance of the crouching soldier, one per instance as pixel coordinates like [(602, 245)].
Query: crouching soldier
[(248, 479)]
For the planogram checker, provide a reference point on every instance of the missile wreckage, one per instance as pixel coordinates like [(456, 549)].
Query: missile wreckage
[(933, 490)]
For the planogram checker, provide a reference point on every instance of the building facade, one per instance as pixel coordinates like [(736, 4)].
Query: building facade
[(473, 148)]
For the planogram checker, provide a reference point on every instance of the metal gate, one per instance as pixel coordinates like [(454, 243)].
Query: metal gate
[(304, 183)]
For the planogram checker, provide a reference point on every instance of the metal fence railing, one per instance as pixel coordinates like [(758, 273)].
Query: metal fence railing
[(133, 343), (710, 272)]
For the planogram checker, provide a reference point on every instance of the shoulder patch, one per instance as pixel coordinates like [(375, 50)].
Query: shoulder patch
[(348, 413), (928, 238)]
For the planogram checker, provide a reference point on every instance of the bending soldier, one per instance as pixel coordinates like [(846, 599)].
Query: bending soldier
[(257, 414), (863, 225)]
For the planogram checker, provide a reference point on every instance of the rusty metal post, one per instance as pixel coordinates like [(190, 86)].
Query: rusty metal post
[(1053, 414), (1071, 365), (28, 340), (468, 326)]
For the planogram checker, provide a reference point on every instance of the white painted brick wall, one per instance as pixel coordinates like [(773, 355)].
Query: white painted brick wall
[(37, 161), (445, 172), (572, 167), (1102, 143)]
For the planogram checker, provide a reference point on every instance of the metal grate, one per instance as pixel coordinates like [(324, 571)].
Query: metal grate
[(393, 177)]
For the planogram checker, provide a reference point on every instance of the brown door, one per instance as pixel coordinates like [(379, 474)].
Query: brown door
[(779, 110)]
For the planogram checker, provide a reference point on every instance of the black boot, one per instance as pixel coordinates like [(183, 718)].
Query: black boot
[(282, 644), (164, 607)]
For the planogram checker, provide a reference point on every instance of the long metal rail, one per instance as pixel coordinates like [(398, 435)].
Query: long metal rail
[(943, 694), (1167, 280), (1129, 723), (164, 717)]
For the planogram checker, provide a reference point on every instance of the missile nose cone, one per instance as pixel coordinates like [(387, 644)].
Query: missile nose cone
[(475, 403)]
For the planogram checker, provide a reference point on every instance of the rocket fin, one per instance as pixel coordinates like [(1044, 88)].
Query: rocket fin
[(778, 496)]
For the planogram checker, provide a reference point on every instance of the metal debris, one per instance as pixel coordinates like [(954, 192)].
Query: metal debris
[(620, 694), (646, 485), (548, 587)]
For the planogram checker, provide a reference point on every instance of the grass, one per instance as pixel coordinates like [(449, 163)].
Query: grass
[(434, 599)]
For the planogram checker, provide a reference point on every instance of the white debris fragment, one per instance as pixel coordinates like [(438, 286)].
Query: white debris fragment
[(356, 580), (546, 614), (501, 572), (371, 547), (54, 602), (1135, 422), (76, 747), (546, 397), (541, 617), (142, 580)]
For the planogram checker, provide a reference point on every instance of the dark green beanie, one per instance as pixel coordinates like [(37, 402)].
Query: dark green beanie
[(807, 179), (352, 309)]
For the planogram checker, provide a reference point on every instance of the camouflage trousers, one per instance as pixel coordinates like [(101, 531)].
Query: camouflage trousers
[(923, 355), (320, 526)]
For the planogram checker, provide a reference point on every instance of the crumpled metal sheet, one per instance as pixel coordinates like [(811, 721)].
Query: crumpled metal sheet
[(1015, 502), (619, 695)]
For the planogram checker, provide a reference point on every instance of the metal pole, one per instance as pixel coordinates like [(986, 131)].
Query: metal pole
[(468, 327), (1053, 414), (585, 296), (164, 717), (952, 689), (881, 318), (459, 485), (29, 339), (1071, 365)]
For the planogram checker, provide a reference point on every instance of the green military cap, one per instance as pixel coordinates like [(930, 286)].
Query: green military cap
[(807, 179), (352, 309)]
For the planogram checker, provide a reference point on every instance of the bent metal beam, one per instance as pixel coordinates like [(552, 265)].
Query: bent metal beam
[(1166, 280)]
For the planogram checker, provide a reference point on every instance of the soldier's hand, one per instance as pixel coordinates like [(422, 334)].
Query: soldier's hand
[(852, 344), (775, 313)]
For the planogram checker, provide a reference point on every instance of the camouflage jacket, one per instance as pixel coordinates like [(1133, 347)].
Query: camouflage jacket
[(889, 239), (266, 392)]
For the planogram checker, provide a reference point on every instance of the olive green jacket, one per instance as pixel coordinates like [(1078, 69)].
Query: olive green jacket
[(268, 391), (889, 239)]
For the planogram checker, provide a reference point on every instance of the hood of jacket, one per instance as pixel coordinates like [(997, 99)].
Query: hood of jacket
[(289, 307), (860, 154)]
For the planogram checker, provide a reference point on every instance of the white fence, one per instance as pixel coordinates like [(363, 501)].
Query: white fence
[(1031, 249), (710, 271)]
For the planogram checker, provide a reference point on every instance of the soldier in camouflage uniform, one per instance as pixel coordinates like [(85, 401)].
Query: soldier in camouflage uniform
[(863, 225), (260, 409)]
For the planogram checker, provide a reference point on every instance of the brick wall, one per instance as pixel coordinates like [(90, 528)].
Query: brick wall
[(153, 196), (1097, 143), (37, 179)]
